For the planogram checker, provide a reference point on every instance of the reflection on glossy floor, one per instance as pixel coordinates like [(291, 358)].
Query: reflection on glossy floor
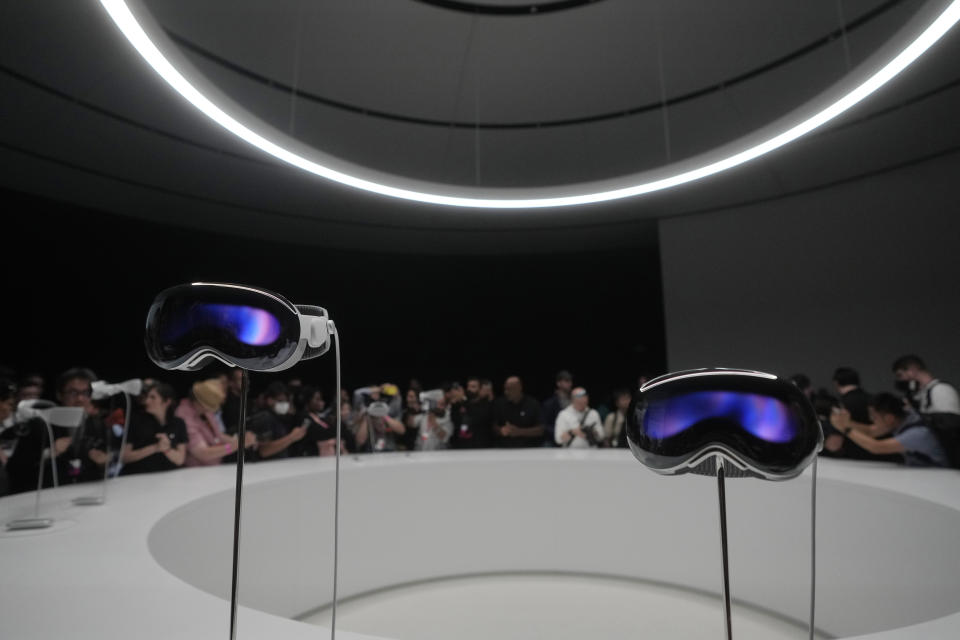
[(549, 607)]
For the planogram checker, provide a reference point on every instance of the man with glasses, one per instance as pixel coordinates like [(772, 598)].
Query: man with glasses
[(89, 445), (80, 456)]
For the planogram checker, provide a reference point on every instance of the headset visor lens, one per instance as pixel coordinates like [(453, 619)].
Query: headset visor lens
[(765, 423), (245, 327)]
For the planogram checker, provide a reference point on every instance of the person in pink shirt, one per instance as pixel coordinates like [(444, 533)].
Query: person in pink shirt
[(208, 442)]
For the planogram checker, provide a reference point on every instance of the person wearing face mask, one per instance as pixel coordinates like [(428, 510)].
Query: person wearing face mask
[(274, 426), (924, 392)]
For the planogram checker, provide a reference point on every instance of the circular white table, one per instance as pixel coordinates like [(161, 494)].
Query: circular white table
[(154, 561)]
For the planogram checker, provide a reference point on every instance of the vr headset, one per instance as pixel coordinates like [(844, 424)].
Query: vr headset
[(378, 410), (761, 425), (241, 326), (102, 389), (53, 415)]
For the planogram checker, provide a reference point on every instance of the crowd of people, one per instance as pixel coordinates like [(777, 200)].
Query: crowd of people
[(290, 419), (918, 424)]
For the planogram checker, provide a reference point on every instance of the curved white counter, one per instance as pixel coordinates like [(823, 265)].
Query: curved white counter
[(154, 561)]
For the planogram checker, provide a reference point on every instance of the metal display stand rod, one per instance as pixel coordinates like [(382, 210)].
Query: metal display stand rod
[(722, 495), (86, 501), (238, 501), (336, 490)]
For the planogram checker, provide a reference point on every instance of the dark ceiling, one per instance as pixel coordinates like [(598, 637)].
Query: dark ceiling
[(468, 94)]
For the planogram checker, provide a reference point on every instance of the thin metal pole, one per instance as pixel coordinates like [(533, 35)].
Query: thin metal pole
[(721, 493), (126, 430), (53, 469), (336, 493), (813, 547), (123, 444), (238, 501), (107, 433), (36, 502)]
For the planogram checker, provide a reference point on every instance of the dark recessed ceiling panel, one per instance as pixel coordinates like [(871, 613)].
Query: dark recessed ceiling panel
[(85, 120), (386, 85)]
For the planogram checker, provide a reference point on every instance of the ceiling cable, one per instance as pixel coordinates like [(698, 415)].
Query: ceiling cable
[(802, 121), (843, 35), (663, 88), (291, 126), (458, 94), (476, 130)]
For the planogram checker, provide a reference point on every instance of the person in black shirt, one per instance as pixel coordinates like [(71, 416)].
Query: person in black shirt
[(486, 390), (556, 403), (853, 398), (516, 417), (158, 439), (321, 436), (412, 408), (472, 419), (80, 453), (8, 432), (857, 402), (273, 424), (231, 405)]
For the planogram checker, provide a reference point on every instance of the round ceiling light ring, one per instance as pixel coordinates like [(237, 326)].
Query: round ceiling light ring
[(225, 112)]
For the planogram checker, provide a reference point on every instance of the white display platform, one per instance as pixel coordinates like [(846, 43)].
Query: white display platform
[(154, 561)]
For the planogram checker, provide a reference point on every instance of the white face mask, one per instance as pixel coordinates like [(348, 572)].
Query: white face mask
[(281, 408)]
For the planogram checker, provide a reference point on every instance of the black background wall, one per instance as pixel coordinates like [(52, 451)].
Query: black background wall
[(853, 275), (79, 283)]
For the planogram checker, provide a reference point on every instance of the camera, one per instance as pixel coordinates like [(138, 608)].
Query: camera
[(430, 399), (378, 409)]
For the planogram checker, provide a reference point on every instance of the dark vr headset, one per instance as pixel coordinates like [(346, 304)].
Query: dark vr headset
[(761, 425), (241, 326)]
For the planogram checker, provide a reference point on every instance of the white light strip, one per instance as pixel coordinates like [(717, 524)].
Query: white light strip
[(121, 15), (670, 377)]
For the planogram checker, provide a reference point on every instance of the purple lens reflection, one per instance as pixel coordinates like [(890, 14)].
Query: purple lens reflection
[(762, 416), (249, 325)]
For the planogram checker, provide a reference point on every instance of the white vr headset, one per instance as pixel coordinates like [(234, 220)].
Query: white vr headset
[(70, 417), (103, 389), (240, 326)]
